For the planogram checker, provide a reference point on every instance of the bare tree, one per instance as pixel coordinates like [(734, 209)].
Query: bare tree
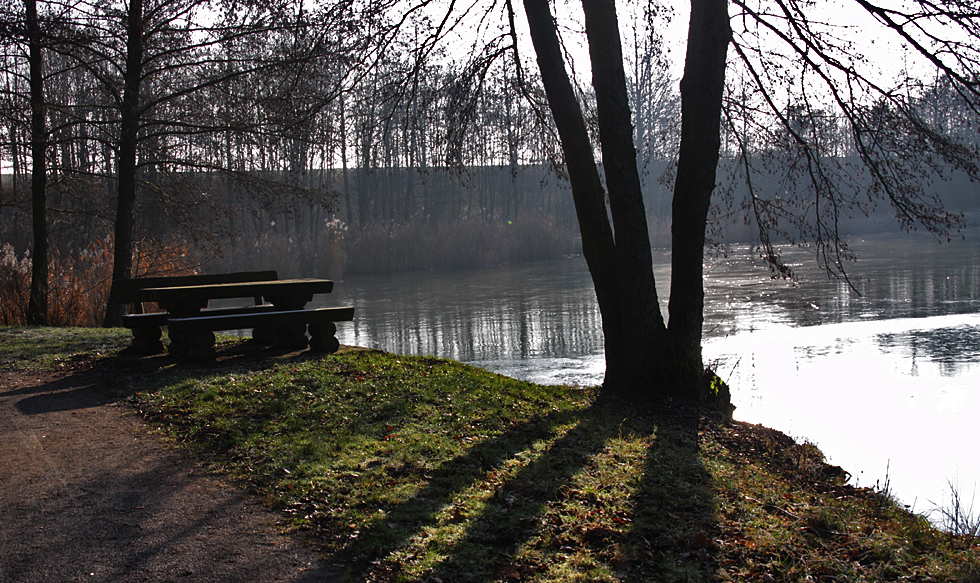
[(895, 152), (896, 147), (37, 306), (29, 35), (167, 63)]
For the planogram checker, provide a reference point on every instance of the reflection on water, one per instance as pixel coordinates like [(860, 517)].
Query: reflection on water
[(950, 348), (894, 278), (518, 313), (880, 379)]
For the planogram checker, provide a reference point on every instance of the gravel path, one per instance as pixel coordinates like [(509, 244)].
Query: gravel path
[(87, 494)]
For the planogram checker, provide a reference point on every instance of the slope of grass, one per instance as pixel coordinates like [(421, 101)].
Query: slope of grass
[(419, 469)]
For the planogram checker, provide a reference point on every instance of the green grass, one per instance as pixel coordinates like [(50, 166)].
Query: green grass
[(414, 466), (418, 469), (36, 348)]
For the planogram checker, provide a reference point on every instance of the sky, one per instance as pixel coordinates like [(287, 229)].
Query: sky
[(886, 58)]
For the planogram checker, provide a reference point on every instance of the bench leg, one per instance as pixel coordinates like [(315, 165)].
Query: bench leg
[(322, 337), (178, 343), (197, 345), (146, 340), (291, 336), (201, 346)]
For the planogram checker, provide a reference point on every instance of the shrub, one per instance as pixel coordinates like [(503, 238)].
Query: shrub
[(15, 283), (78, 283)]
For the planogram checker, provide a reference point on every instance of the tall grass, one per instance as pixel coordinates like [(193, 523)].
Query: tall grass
[(15, 283), (79, 281), (957, 515), (79, 285)]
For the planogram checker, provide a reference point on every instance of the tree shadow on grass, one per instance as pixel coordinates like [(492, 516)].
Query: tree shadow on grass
[(605, 493), (482, 462), (608, 492)]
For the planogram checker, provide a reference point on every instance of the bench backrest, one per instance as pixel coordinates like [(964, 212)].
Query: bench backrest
[(128, 289)]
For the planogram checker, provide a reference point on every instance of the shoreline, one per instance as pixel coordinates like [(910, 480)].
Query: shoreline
[(637, 494)]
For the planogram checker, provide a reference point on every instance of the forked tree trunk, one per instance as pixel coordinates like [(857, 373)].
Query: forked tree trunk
[(641, 360)]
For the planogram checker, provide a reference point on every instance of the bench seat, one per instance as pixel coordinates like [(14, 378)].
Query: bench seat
[(194, 336), (133, 321), (147, 328)]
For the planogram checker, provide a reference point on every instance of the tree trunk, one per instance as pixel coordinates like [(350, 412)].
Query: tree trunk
[(343, 161), (512, 206), (122, 264), (645, 334), (701, 94), (37, 305), (587, 191)]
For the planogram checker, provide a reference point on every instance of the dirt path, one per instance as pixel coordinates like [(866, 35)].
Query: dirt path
[(86, 494)]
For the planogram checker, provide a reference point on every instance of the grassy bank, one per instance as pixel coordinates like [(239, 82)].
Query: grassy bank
[(50, 349), (419, 469)]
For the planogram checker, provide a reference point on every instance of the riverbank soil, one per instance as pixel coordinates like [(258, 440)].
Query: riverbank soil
[(87, 494)]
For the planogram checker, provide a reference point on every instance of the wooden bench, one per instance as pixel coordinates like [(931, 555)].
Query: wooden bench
[(281, 328), (147, 327)]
